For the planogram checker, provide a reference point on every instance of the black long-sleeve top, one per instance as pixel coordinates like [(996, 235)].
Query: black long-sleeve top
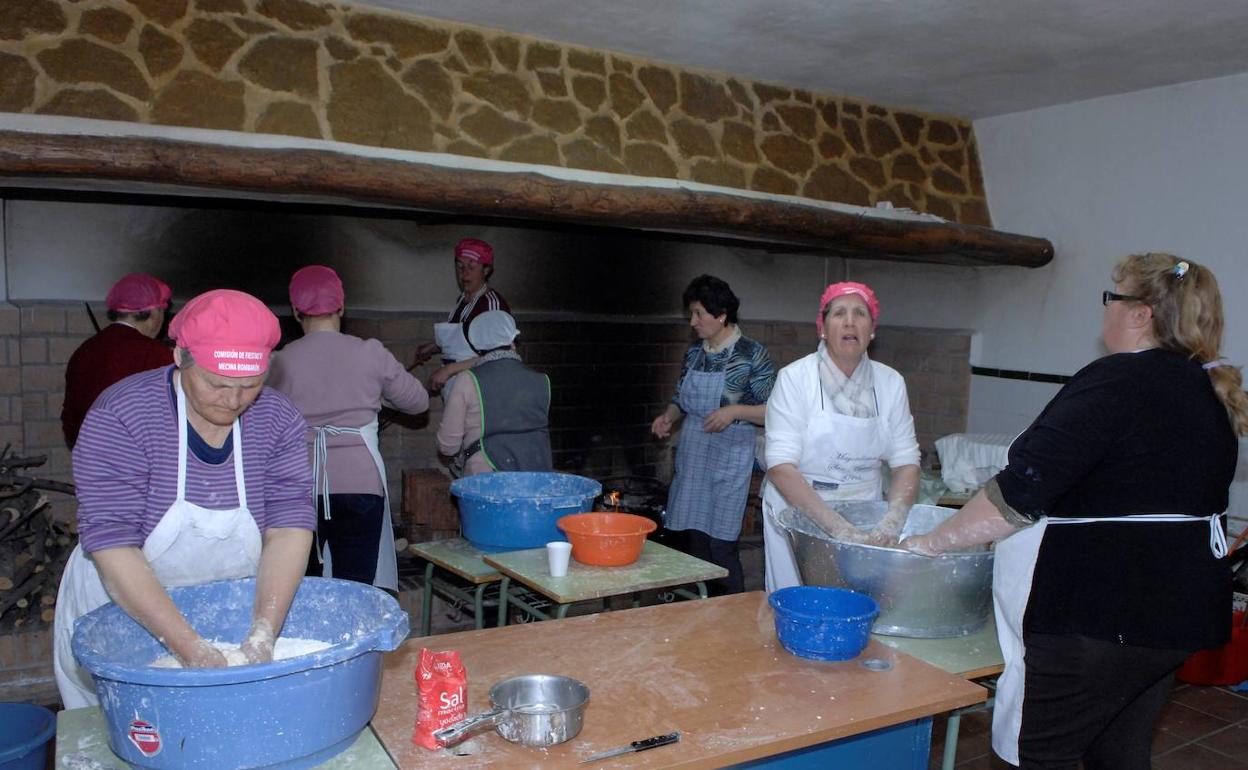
[(1131, 433)]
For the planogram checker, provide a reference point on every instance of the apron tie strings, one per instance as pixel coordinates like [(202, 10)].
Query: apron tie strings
[(320, 460), (1217, 537)]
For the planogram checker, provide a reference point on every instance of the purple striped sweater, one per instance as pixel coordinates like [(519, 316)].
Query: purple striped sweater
[(126, 464)]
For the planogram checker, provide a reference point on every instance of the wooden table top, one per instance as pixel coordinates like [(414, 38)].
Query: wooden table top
[(970, 657), (712, 669), (657, 567), (459, 556)]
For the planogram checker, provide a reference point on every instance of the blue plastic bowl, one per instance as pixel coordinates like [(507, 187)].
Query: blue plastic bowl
[(823, 623), (288, 714), (508, 511), (25, 730)]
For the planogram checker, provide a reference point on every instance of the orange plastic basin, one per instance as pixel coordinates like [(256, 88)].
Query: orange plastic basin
[(606, 539)]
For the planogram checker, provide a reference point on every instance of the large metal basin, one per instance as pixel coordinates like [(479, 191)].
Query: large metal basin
[(949, 595)]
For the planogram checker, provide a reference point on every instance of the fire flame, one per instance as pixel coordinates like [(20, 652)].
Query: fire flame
[(612, 499)]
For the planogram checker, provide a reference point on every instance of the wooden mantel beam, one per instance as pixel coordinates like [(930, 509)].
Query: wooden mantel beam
[(334, 177)]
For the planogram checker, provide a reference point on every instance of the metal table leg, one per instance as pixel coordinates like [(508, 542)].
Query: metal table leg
[(426, 605), (478, 606), (504, 598), (949, 757), (689, 594), (951, 740)]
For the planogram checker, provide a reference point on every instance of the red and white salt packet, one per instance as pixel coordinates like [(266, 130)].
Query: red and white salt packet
[(442, 688)]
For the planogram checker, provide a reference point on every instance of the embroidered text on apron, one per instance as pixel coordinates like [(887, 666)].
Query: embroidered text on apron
[(841, 458), (1014, 563), (190, 545), (712, 477), (387, 574)]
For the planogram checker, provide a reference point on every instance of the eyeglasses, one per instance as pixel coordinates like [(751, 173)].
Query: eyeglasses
[(1112, 296)]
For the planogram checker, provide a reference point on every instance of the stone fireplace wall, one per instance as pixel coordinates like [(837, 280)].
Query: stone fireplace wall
[(352, 74), (609, 380)]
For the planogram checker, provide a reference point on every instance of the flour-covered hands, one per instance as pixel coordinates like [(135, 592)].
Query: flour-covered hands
[(203, 654), (837, 527), (258, 646)]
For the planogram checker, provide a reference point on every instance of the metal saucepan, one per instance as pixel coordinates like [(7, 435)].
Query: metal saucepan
[(536, 710)]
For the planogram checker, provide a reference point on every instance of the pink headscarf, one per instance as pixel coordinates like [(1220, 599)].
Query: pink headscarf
[(137, 292), (840, 290), (475, 250), (228, 332), (316, 290)]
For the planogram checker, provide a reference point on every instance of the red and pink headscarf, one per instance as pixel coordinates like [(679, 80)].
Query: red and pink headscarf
[(840, 290), (475, 250)]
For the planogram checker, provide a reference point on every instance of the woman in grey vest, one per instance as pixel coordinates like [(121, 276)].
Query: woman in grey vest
[(496, 417)]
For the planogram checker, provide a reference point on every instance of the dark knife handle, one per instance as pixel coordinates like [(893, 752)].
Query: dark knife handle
[(655, 742)]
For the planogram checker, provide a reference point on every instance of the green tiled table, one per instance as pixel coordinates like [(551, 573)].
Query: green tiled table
[(971, 657), (657, 567), (84, 732), (458, 557)]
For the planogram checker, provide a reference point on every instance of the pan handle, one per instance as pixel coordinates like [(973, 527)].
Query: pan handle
[(456, 733)]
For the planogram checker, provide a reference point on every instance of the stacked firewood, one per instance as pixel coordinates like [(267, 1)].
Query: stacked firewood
[(34, 544)]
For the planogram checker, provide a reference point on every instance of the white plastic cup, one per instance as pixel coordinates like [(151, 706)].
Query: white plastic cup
[(557, 555)]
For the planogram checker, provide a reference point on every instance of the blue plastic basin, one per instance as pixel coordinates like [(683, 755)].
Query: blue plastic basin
[(823, 623), (288, 714), (508, 511), (25, 730)]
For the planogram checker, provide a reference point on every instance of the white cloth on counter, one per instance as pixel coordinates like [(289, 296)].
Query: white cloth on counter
[(969, 460)]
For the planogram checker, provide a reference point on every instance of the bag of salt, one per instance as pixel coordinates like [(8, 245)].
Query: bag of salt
[(442, 686)]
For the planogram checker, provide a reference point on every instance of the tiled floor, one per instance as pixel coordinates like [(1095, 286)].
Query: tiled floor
[(1202, 728)]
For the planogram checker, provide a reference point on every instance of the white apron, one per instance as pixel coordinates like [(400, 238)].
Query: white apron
[(190, 545), (387, 575), (1014, 564), (841, 459)]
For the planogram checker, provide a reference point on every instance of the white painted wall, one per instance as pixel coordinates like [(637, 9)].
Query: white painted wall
[(1162, 170), (1156, 170)]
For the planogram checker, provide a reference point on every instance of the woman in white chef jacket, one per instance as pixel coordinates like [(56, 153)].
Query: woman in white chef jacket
[(832, 419), (1133, 458)]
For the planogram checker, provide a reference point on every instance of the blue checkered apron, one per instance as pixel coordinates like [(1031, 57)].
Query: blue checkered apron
[(712, 469)]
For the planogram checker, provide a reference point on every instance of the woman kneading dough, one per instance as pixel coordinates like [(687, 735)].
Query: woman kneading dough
[(187, 474), (832, 418)]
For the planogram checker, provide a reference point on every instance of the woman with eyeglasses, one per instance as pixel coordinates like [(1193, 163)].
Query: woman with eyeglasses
[(1109, 569)]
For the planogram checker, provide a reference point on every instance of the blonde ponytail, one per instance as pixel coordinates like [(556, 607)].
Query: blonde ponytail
[(1228, 383), (1187, 319)]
